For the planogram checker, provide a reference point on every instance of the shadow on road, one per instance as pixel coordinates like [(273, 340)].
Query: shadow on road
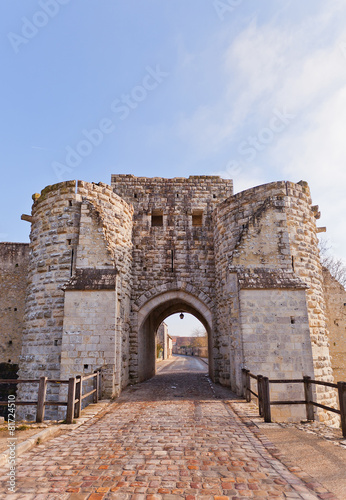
[(177, 386)]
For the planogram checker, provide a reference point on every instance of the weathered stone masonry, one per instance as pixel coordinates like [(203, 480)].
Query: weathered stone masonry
[(14, 258), (109, 264)]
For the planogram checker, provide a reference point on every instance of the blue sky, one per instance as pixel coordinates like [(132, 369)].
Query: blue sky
[(251, 90)]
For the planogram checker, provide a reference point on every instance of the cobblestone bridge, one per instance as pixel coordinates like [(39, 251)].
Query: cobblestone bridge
[(176, 436)]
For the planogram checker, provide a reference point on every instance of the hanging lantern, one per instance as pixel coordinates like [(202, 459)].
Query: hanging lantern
[(181, 316)]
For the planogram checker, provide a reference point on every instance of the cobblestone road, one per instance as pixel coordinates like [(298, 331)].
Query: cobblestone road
[(173, 437)]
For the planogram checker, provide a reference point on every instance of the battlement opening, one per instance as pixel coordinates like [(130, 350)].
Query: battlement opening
[(157, 218)]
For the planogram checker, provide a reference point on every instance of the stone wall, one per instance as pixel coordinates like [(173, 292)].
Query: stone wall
[(335, 296), (109, 264), (173, 248), (14, 258), (276, 343)]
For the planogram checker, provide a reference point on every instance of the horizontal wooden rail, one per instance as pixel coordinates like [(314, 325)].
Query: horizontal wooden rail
[(22, 403), (74, 396), (19, 381), (326, 384), (288, 402), (329, 408), (264, 402), (288, 381)]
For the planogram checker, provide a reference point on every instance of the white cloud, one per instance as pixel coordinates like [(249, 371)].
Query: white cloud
[(300, 67)]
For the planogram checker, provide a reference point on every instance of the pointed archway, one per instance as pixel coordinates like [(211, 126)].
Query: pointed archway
[(156, 310)]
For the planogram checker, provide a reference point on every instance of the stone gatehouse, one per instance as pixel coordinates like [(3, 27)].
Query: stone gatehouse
[(108, 264)]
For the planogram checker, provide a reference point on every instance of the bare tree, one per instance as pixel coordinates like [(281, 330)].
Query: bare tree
[(200, 338), (335, 266)]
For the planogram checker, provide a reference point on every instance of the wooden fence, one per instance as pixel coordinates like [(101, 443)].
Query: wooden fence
[(75, 394), (264, 402)]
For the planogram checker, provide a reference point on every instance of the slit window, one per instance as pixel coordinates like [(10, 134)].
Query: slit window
[(157, 218), (197, 218)]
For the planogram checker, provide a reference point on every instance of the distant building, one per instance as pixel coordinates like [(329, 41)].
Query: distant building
[(164, 342)]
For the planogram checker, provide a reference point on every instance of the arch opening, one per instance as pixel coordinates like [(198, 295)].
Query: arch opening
[(154, 312), (186, 334)]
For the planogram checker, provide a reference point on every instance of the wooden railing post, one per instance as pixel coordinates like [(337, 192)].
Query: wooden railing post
[(342, 406), (248, 386), (78, 407), (260, 394), (243, 373), (96, 387), (266, 400), (100, 383), (71, 396), (42, 387), (308, 398)]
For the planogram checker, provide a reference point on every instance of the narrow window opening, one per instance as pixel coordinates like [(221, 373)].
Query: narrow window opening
[(177, 195), (293, 262), (157, 218), (86, 367), (214, 195), (70, 203), (15, 309), (197, 218), (69, 242), (56, 342), (72, 256), (10, 342), (293, 320), (135, 195)]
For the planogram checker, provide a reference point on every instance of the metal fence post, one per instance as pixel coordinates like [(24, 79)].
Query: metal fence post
[(308, 398), (42, 387), (71, 396), (342, 406), (266, 400)]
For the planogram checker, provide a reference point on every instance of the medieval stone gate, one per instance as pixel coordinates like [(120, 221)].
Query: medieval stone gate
[(109, 263)]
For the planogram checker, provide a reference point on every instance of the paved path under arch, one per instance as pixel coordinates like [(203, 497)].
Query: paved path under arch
[(173, 437)]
